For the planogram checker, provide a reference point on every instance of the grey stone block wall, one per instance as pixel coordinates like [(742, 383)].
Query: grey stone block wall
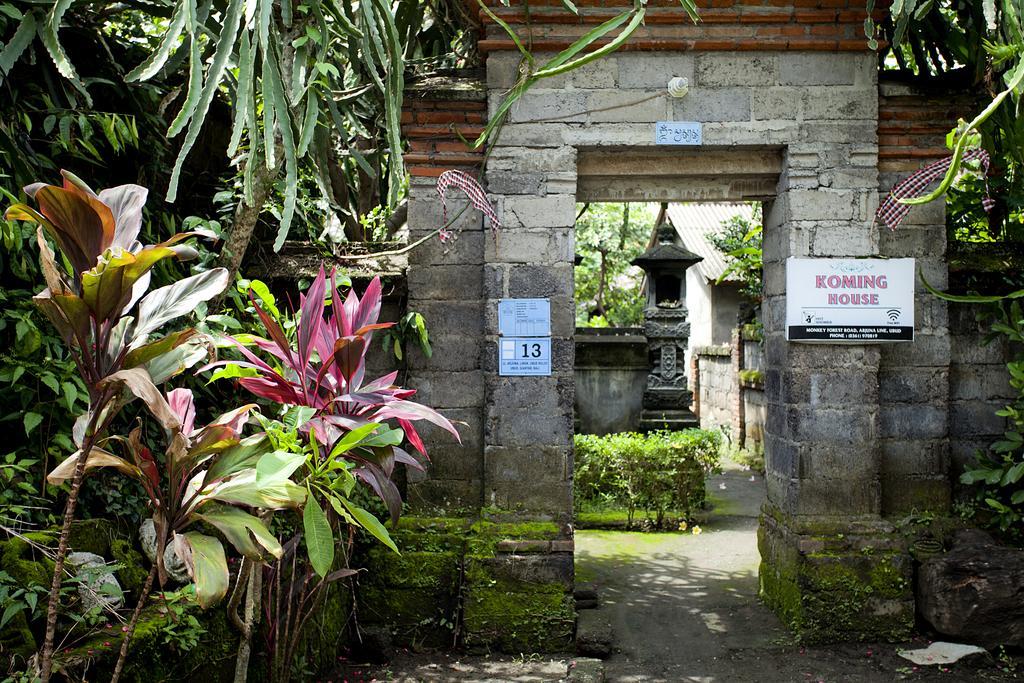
[(717, 385), (978, 386), (446, 285), (914, 379)]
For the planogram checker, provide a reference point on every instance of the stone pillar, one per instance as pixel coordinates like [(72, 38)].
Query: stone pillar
[(831, 566), (529, 420), (445, 283)]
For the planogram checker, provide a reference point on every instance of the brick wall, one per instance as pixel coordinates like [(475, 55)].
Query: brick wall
[(442, 116), (729, 25)]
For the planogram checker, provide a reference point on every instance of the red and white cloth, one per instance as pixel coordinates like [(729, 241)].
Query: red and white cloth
[(891, 211), (476, 194)]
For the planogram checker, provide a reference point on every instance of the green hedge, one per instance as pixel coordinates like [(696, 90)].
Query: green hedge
[(660, 472)]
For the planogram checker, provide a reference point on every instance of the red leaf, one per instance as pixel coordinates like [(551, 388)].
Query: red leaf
[(311, 315), (348, 355), (413, 436)]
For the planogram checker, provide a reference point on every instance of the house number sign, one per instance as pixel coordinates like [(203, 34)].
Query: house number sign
[(524, 348)]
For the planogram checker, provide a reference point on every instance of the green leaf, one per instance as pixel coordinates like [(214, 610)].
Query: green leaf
[(996, 505), (269, 303), (14, 48), (1013, 474), (50, 381), (70, 394), (277, 465), (371, 524), (243, 93), (240, 528), (354, 438), (31, 421), (152, 65), (167, 303), (48, 34), (225, 48), (318, 536), (298, 416), (232, 372), (204, 558)]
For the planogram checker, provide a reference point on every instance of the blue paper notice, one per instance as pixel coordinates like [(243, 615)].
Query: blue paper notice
[(524, 356), (524, 318)]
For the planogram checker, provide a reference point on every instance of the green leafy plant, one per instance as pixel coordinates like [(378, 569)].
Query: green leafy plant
[(411, 327), (98, 302), (740, 240), (659, 472), (180, 630), (17, 599), (609, 237), (998, 472), (339, 428)]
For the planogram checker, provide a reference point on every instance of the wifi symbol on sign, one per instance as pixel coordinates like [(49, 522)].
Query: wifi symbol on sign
[(894, 314)]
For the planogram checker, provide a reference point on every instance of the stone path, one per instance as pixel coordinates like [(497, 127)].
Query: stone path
[(684, 607), (681, 602)]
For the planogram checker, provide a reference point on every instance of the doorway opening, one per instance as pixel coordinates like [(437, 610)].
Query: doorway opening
[(666, 500)]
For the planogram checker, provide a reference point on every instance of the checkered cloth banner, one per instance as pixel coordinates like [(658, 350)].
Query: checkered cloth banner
[(891, 212), (476, 194)]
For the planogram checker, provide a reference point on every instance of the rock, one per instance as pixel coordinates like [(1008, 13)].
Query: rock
[(975, 592), (98, 588), (172, 563), (593, 635), (586, 596), (585, 670), (376, 646)]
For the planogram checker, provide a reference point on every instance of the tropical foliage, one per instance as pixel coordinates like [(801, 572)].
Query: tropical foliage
[(972, 46), (99, 302), (660, 473), (608, 287), (739, 238), (337, 428)]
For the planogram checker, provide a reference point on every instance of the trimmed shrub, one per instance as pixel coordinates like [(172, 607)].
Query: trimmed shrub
[(658, 473)]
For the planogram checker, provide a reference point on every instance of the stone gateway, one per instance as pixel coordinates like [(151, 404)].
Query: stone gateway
[(792, 114)]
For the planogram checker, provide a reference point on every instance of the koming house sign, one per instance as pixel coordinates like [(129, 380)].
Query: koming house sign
[(849, 300)]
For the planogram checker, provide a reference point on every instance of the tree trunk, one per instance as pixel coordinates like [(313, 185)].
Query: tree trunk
[(123, 654), (245, 220), (253, 593), (46, 657)]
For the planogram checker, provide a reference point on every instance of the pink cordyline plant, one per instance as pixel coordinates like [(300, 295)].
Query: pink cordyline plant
[(326, 370)]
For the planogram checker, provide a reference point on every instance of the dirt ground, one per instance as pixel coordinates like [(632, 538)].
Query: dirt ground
[(683, 607)]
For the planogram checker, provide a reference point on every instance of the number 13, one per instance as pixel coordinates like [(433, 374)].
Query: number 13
[(532, 352)]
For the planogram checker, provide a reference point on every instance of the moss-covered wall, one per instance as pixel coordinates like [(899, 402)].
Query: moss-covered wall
[(488, 585), (831, 583)]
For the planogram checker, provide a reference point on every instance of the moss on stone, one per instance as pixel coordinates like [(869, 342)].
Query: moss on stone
[(150, 657), (132, 568), (541, 620), (855, 586), (26, 566), (92, 536), (484, 535), (436, 571)]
